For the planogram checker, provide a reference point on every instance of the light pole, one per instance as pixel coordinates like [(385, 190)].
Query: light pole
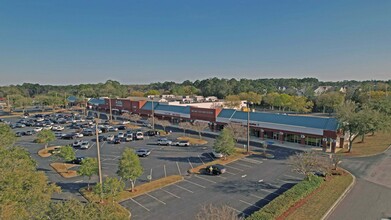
[(99, 163), (248, 126), (153, 117), (111, 116)]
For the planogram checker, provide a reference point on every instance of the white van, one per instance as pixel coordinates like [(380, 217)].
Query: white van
[(139, 135)]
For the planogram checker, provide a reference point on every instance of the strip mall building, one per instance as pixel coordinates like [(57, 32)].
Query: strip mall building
[(304, 130)]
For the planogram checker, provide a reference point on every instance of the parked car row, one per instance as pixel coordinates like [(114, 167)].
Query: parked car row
[(165, 141)]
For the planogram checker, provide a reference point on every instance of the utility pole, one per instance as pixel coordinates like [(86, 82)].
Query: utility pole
[(111, 113), (99, 163), (8, 104), (153, 117), (248, 127)]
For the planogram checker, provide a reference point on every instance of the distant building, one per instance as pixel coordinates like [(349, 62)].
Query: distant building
[(322, 89)]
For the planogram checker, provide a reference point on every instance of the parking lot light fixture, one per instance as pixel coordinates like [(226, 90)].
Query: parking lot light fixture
[(98, 152)]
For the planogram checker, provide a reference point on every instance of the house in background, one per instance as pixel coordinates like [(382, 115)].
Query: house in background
[(322, 89)]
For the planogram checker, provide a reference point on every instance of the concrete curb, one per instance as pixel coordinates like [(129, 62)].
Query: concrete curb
[(343, 195), (370, 155)]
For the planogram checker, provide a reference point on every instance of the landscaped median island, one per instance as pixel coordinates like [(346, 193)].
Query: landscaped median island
[(373, 144), (309, 199), (240, 153), (63, 169), (47, 152), (193, 141), (138, 190)]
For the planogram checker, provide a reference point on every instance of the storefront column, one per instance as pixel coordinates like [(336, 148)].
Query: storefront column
[(302, 139), (341, 142), (324, 144), (281, 137), (333, 145), (262, 135)]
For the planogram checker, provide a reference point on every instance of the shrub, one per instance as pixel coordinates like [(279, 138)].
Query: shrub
[(283, 202)]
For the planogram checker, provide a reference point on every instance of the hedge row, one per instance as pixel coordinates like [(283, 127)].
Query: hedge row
[(282, 203)]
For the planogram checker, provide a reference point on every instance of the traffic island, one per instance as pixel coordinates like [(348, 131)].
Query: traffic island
[(138, 190), (47, 152), (239, 154), (63, 169), (193, 141)]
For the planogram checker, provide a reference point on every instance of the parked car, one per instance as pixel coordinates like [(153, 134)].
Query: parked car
[(215, 169), (121, 134), (37, 129), (57, 128), (139, 135), (69, 136), (77, 143), (88, 132), (79, 135), (28, 133), (19, 134), (110, 137), (59, 134), (143, 152), (117, 140), (78, 160), (164, 141), (113, 129), (101, 138), (84, 145), (125, 122), (181, 143), (128, 137), (152, 133), (121, 127), (217, 155), (20, 125)]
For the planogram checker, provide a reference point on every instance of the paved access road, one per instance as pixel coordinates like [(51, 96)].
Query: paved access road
[(370, 198)]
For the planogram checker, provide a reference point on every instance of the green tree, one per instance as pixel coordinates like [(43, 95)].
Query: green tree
[(45, 136), (330, 101), (24, 192), (110, 189), (67, 153), (301, 104), (199, 126), (89, 167), (251, 97), (349, 121), (130, 167), (152, 92), (232, 101), (7, 136), (225, 143)]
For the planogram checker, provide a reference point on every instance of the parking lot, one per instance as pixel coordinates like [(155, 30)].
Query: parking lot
[(248, 184)]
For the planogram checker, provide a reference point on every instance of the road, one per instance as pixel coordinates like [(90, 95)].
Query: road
[(370, 197)]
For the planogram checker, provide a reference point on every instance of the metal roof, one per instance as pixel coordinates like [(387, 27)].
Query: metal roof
[(303, 121)]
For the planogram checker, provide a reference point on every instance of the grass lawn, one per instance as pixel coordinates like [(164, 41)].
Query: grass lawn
[(240, 153), (193, 141), (63, 169), (318, 203), (372, 145), (139, 190)]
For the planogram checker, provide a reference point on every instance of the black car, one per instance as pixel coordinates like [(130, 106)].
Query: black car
[(19, 134), (101, 138), (215, 169), (28, 133), (152, 133), (78, 160), (121, 127), (117, 140), (69, 136)]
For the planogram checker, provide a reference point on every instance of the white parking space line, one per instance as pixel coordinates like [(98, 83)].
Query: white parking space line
[(153, 197), (259, 197), (196, 184), (184, 188), (165, 172), (234, 168), (205, 179), (170, 193), (293, 177), (230, 173), (201, 159), (277, 187), (111, 164), (188, 159), (238, 211), (243, 165), (251, 160), (286, 181), (211, 157), (269, 191), (249, 204), (79, 181), (140, 205), (179, 170), (219, 176)]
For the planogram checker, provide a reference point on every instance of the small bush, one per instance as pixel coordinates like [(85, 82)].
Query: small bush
[(283, 202)]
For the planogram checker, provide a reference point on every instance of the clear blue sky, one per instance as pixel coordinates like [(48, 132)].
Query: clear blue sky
[(76, 41)]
